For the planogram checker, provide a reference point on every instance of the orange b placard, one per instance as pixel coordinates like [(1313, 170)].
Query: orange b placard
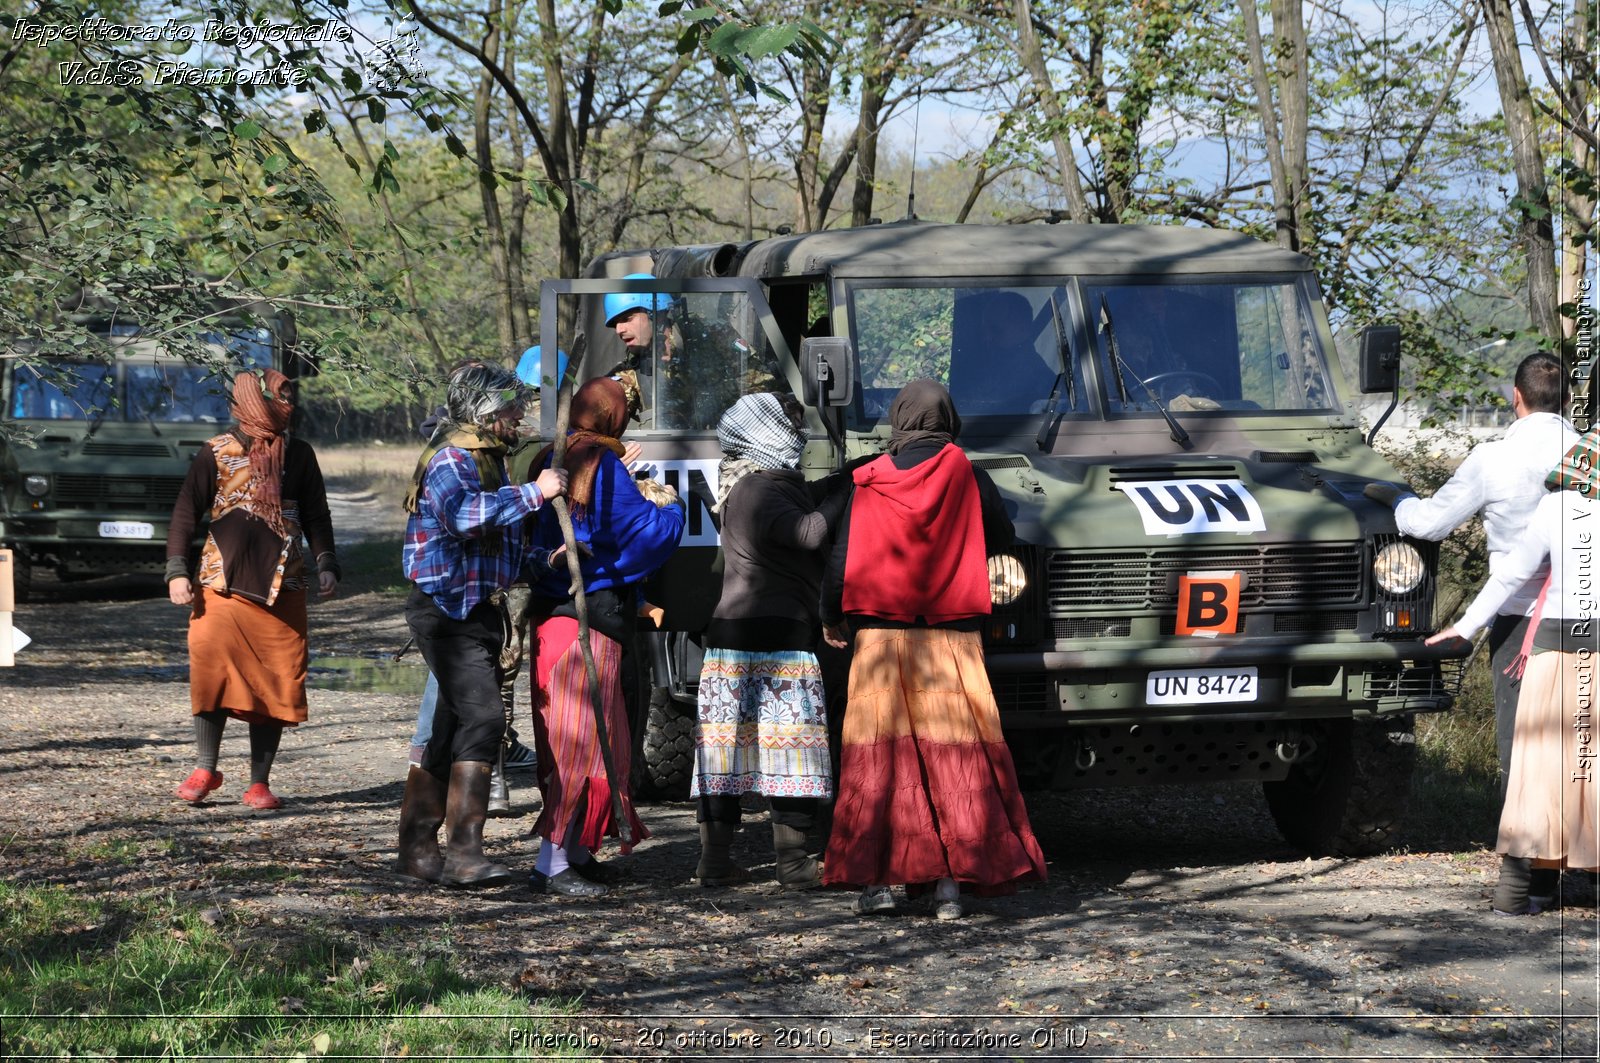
[(1208, 603)]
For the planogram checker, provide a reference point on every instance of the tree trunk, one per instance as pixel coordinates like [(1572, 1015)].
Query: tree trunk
[(494, 229), (1286, 232), (1535, 227), (1294, 101), (1577, 203), (875, 79), (1032, 55)]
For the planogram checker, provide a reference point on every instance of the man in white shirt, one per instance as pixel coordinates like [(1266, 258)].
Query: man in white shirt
[(1504, 480)]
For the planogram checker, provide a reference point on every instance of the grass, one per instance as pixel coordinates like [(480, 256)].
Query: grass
[(143, 978), (372, 565)]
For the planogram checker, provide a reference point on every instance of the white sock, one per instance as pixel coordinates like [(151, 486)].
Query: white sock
[(946, 890), (552, 859)]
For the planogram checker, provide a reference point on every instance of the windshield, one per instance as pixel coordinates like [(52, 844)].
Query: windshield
[(1200, 347), (998, 350), (146, 391)]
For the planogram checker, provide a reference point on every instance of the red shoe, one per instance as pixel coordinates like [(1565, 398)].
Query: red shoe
[(199, 783), (258, 796)]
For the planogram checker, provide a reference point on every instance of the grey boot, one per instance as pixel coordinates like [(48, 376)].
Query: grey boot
[(1511, 892), (465, 811), (797, 870), (716, 866), (421, 812), (499, 791), (1544, 890)]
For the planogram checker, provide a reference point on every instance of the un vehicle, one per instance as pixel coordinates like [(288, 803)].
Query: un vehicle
[(1199, 590), (94, 450)]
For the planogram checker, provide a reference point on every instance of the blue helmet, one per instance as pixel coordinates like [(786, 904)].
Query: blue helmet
[(528, 366), (619, 303)]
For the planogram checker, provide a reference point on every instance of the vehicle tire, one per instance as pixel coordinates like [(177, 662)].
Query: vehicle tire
[(1349, 797), (666, 753)]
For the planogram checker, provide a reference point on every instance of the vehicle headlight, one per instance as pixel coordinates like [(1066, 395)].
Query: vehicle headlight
[(36, 485), (1007, 579), (1399, 568)]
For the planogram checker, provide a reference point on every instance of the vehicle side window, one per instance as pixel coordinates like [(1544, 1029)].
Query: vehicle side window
[(701, 362), (902, 334), (1278, 350)]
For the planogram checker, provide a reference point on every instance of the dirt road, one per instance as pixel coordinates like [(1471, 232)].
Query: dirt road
[(1175, 923)]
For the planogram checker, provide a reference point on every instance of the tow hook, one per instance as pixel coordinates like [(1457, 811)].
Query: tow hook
[(1294, 747), (1086, 756)]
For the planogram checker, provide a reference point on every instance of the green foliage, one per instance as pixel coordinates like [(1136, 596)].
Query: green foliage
[(83, 976), (735, 43), (163, 189)]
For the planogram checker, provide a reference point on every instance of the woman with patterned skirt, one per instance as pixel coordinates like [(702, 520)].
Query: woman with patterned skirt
[(927, 791), (762, 725), (247, 626), (1551, 816), (623, 537)]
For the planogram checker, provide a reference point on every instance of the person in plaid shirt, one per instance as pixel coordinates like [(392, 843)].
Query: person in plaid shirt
[(468, 536)]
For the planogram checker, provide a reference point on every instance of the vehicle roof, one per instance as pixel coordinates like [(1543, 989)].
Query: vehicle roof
[(925, 249)]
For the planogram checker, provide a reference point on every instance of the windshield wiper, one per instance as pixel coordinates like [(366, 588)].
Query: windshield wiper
[(1179, 436), (1064, 360)]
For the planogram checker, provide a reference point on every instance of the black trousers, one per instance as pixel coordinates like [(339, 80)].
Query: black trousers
[(464, 655), (1506, 634)]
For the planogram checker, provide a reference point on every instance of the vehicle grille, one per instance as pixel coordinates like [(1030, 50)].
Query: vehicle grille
[(151, 494), (96, 448), (1280, 575), (1023, 691)]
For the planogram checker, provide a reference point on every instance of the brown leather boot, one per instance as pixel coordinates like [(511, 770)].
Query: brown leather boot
[(796, 868), (421, 812), (465, 811), (716, 866)]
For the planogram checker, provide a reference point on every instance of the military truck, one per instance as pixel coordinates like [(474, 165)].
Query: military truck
[(94, 450), (1199, 589)]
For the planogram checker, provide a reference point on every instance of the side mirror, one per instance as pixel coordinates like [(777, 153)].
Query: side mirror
[(1380, 358), (827, 369)]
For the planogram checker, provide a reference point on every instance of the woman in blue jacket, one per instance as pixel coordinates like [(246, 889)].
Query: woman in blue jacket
[(622, 538)]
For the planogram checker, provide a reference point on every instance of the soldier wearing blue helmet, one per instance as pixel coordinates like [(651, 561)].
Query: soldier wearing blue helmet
[(690, 367)]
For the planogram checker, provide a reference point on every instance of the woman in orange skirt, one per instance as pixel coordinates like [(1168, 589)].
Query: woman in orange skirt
[(247, 627), (928, 794)]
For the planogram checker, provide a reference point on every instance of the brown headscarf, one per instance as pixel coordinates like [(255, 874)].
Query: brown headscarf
[(922, 413), (261, 404), (598, 415)]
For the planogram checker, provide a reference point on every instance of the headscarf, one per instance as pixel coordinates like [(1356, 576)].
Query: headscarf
[(755, 433), (478, 391), (262, 406), (1577, 470), (598, 414), (922, 413)]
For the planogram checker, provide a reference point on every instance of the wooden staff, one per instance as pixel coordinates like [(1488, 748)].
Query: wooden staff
[(579, 601)]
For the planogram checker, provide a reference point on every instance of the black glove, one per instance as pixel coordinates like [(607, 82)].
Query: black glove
[(1383, 492)]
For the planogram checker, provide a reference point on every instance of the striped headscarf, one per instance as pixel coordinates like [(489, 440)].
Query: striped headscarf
[(1576, 471), (263, 407)]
